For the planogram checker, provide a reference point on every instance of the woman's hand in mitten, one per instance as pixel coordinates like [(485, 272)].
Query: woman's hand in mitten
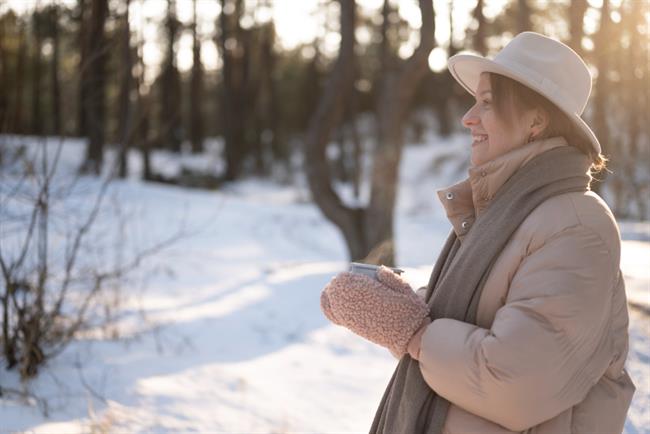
[(388, 315), (395, 281)]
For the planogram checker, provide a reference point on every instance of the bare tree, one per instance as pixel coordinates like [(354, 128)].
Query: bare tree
[(37, 44), (478, 39), (125, 107), (84, 70), (4, 79), (368, 231), (55, 84), (142, 109), (34, 321), (453, 49), (602, 50), (576, 12), (94, 84), (196, 89), (170, 86), (46, 297), (267, 95), (327, 116), (632, 154), (396, 93), (19, 84), (524, 11), (233, 97), (310, 86)]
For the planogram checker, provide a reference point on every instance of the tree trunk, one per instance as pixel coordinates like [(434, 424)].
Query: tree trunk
[(385, 55), (37, 43), (635, 82), (233, 88), (4, 79), (442, 85), (145, 141), (310, 88), (226, 95), (603, 59), (577, 10), (328, 114), (523, 16), (54, 72), (143, 112), (453, 49), (84, 70), (196, 90), (96, 90), (354, 167), (368, 232), (19, 94), (268, 97), (125, 114), (170, 89), (16, 112), (396, 93), (478, 39)]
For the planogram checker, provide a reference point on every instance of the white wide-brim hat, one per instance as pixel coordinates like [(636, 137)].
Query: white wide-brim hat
[(545, 65)]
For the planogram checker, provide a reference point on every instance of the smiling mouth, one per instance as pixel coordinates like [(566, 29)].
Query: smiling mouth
[(479, 139)]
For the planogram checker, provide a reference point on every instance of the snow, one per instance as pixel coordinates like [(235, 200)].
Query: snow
[(222, 331)]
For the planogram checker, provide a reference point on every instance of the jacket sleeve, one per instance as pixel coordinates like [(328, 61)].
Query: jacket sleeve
[(548, 344)]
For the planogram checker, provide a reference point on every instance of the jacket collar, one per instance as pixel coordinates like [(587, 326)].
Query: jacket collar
[(466, 200)]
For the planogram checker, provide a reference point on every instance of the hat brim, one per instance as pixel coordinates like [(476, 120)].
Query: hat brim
[(467, 68)]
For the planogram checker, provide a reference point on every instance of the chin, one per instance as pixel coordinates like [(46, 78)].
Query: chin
[(476, 160)]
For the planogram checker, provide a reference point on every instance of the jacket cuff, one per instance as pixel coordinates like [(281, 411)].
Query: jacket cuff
[(413, 347)]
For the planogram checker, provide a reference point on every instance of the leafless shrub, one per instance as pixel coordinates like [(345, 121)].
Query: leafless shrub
[(46, 292)]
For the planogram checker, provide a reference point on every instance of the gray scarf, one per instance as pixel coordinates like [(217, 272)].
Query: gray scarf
[(409, 405)]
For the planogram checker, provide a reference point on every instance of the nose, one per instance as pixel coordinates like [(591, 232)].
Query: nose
[(470, 118)]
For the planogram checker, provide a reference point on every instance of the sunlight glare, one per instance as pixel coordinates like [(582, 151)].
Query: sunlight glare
[(438, 59), (410, 11), (296, 22)]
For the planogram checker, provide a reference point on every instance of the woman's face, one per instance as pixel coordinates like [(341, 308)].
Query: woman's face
[(491, 137)]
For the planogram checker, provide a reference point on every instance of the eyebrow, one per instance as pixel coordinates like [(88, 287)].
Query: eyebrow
[(485, 91)]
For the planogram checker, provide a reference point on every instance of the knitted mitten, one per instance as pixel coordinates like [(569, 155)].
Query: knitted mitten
[(386, 276), (386, 312)]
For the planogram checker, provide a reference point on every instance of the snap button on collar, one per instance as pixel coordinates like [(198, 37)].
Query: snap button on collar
[(464, 224), (450, 195)]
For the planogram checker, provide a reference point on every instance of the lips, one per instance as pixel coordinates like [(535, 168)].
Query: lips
[(479, 138)]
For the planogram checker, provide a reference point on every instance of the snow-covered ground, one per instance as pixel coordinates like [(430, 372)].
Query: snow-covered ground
[(222, 332)]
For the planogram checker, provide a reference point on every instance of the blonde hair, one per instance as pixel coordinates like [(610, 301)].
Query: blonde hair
[(509, 97)]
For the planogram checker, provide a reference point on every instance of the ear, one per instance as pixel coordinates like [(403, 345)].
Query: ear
[(539, 123)]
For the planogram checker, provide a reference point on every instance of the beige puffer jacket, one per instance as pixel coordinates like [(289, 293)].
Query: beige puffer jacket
[(548, 354)]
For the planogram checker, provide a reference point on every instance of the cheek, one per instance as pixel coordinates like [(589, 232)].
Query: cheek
[(489, 124)]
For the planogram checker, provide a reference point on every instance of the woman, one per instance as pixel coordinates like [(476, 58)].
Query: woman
[(523, 326)]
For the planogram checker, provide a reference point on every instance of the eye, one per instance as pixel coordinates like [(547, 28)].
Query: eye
[(486, 101)]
